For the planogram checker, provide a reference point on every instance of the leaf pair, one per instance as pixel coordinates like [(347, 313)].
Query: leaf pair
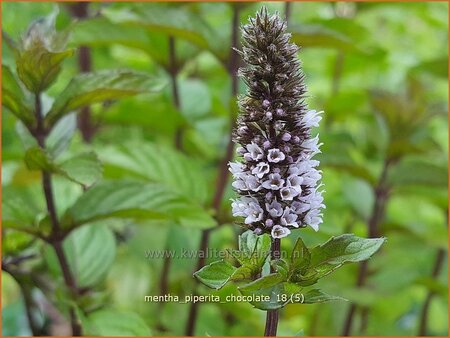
[(290, 276)]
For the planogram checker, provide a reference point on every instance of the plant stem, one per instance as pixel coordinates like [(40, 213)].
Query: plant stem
[(378, 211), (272, 315), (438, 264), (223, 169), (173, 71), (56, 237), (287, 10), (85, 125)]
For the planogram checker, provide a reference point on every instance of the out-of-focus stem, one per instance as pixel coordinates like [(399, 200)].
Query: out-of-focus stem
[(173, 71), (87, 128), (438, 264), (378, 211), (287, 10)]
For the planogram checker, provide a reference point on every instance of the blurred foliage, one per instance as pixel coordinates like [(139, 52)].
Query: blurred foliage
[(378, 70)]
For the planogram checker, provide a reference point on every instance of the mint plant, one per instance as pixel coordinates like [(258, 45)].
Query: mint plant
[(46, 127), (278, 183)]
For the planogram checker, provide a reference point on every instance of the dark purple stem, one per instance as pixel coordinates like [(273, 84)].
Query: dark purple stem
[(378, 211), (272, 315), (56, 236)]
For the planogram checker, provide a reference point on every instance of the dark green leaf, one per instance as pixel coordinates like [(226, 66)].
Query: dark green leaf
[(215, 275), (38, 68), (300, 257), (86, 89), (124, 199), (329, 256)]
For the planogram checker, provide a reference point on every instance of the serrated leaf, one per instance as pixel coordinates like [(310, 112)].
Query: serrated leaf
[(317, 296), (339, 250), (84, 169), (38, 68), (160, 164), (215, 275), (86, 89), (300, 258), (13, 98), (40, 53), (90, 251), (128, 199), (116, 323)]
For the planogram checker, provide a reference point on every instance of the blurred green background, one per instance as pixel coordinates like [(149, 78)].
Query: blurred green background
[(378, 70)]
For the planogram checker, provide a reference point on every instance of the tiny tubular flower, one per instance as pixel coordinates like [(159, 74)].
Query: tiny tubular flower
[(275, 155), (278, 179)]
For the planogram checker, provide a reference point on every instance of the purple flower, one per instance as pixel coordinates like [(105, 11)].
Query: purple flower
[(261, 169), (288, 219), (274, 209), (288, 193), (275, 182), (279, 231), (275, 155), (255, 151)]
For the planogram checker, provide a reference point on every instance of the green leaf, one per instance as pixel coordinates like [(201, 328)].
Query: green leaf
[(22, 209), (86, 89), (318, 36), (215, 275), (90, 251), (317, 296), (127, 199), (339, 250), (15, 242), (252, 254), (84, 169), (61, 134), (57, 141), (272, 287), (37, 159), (116, 323), (300, 258), (13, 98), (160, 164), (38, 68), (176, 21), (40, 53), (417, 171)]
